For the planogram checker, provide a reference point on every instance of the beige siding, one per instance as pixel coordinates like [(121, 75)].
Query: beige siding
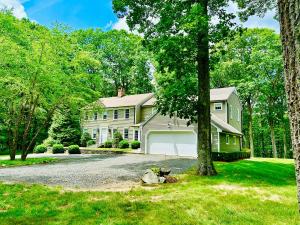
[(231, 146), (146, 113), (235, 105), (214, 139), (220, 114)]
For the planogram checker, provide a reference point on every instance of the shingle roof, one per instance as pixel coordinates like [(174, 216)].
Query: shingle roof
[(218, 94), (223, 125), (128, 100)]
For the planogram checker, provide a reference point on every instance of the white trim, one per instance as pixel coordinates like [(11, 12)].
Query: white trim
[(149, 131), (125, 114), (227, 143), (238, 115), (218, 103), (127, 133), (219, 145), (114, 114), (94, 129), (105, 113), (218, 129), (234, 140), (139, 134)]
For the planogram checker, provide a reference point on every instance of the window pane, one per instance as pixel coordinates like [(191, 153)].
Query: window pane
[(127, 113), (116, 114), (136, 135)]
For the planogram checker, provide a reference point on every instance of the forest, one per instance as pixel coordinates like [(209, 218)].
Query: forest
[(49, 75)]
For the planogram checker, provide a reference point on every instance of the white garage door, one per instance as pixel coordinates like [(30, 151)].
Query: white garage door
[(180, 143)]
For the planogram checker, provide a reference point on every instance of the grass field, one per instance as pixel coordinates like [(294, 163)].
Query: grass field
[(259, 191), (27, 162)]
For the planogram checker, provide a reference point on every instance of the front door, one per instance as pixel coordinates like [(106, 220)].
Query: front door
[(103, 135)]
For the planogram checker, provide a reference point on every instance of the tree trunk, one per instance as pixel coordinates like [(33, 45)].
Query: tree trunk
[(289, 15), (273, 139), (205, 163), (250, 111)]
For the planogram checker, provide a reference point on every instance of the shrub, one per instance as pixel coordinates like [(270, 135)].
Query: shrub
[(40, 149), (124, 144), (117, 139), (90, 142), (74, 149), (85, 137), (58, 148), (230, 156), (49, 142), (108, 144), (135, 144)]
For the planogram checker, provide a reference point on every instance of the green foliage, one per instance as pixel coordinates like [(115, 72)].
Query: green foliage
[(117, 139), (108, 144), (74, 149), (85, 137), (123, 144), (135, 144), (28, 162), (49, 142), (58, 148), (91, 142), (230, 156), (40, 149)]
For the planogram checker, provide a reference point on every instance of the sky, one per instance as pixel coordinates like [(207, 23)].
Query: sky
[(80, 14)]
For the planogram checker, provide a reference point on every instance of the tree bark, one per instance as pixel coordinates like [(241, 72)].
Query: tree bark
[(289, 16), (273, 139), (250, 111), (205, 163)]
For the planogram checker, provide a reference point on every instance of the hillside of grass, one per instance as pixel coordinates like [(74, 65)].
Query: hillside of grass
[(258, 191)]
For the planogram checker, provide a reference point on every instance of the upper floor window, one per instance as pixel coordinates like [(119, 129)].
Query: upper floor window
[(238, 116), (104, 115), (218, 106), (95, 116), (230, 112), (227, 139), (125, 134), (116, 114), (127, 113)]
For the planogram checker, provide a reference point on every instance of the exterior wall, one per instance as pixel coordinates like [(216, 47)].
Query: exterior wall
[(110, 123), (230, 147), (220, 114), (235, 105), (214, 139), (146, 113)]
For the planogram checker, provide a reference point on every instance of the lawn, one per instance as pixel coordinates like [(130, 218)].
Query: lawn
[(246, 192), (27, 162)]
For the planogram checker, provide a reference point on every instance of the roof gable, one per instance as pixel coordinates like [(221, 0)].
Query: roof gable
[(126, 101)]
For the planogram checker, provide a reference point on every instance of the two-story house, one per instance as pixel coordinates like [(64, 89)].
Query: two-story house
[(136, 118)]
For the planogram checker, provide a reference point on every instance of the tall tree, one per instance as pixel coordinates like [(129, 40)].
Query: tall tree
[(178, 32), (289, 18)]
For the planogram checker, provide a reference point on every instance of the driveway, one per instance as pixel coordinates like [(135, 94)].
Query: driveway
[(105, 172)]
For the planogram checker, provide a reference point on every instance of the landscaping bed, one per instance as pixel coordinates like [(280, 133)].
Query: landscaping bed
[(105, 150)]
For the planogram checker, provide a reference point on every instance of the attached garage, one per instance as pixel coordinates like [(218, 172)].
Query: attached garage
[(177, 143)]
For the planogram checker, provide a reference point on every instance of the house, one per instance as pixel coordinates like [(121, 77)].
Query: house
[(136, 118)]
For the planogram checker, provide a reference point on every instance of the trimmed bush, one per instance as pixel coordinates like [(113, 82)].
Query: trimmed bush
[(230, 156), (90, 142), (124, 144), (74, 149), (58, 148), (108, 144), (117, 139), (135, 144), (40, 149)]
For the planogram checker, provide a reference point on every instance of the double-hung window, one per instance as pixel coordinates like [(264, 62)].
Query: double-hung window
[(218, 106), (136, 135), (227, 139), (127, 113), (125, 134), (116, 114), (95, 116), (104, 117)]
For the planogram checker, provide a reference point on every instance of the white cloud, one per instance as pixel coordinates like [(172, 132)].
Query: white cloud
[(16, 6), (121, 25)]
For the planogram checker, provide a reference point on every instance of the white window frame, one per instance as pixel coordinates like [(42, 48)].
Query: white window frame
[(218, 104), (138, 135), (128, 114), (105, 114), (127, 133), (227, 139), (230, 111), (115, 110), (94, 132), (95, 116), (238, 115)]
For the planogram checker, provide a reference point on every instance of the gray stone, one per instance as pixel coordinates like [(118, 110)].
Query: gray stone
[(162, 180), (164, 171), (150, 177)]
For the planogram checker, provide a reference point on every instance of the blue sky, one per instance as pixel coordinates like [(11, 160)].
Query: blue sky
[(91, 13)]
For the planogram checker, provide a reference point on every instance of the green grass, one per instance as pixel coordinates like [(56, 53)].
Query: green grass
[(27, 162), (259, 191)]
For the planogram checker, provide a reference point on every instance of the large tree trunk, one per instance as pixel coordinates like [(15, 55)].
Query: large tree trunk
[(273, 139), (250, 111), (289, 14), (205, 163)]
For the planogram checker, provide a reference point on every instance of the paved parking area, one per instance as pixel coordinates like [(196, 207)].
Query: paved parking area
[(109, 171)]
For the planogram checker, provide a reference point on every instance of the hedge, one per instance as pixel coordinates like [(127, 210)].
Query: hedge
[(124, 144), (230, 156), (74, 149), (40, 149), (58, 148), (135, 144)]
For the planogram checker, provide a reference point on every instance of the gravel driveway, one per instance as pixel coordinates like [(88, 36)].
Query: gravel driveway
[(106, 172)]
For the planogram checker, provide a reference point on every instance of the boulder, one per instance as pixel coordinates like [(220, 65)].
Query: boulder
[(170, 179), (164, 171), (162, 180), (150, 177)]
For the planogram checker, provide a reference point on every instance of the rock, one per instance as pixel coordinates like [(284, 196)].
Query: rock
[(164, 172), (170, 179), (162, 180), (150, 177)]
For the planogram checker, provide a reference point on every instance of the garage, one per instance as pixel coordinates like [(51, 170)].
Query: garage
[(179, 143)]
